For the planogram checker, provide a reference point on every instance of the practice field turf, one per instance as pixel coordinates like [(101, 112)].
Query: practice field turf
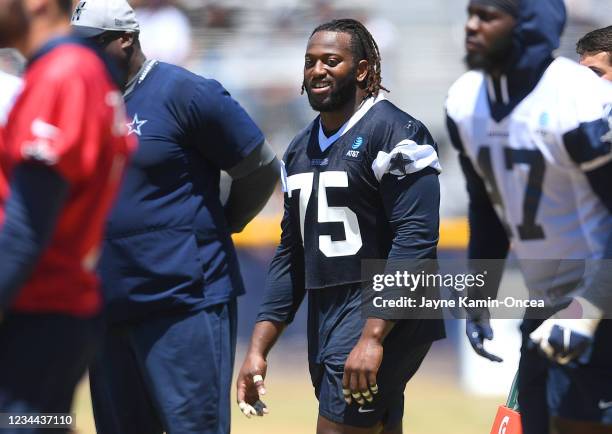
[(434, 402)]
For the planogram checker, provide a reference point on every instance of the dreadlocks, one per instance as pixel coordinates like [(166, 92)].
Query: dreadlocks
[(363, 47)]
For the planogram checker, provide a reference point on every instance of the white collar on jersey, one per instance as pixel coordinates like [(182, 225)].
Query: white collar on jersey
[(142, 73), (325, 142), (503, 85)]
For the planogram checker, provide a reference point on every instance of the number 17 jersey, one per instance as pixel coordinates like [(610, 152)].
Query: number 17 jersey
[(534, 161)]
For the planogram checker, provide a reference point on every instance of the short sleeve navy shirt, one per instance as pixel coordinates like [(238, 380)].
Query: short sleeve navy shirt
[(168, 247)]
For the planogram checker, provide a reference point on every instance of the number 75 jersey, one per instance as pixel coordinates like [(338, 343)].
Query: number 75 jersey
[(336, 211), (535, 161)]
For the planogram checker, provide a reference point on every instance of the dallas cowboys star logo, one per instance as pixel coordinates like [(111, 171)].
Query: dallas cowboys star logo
[(135, 125), (398, 164)]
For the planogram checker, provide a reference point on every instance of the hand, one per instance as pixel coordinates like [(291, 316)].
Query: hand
[(250, 385), (477, 330), (568, 335), (360, 369)]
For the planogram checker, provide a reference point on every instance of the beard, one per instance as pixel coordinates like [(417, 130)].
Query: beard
[(477, 61), (496, 57), (342, 93)]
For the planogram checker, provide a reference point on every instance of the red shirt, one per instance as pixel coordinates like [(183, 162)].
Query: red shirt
[(70, 117)]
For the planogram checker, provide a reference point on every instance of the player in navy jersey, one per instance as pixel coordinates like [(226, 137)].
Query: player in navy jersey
[(534, 138), (169, 267), (361, 181), (62, 155)]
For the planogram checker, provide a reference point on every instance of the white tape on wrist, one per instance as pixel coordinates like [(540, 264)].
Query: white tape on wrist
[(257, 378)]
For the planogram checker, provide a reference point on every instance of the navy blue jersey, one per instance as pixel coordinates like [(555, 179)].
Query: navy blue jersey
[(343, 199), (370, 191), (167, 244)]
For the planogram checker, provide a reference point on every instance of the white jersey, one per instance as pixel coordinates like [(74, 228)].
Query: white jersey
[(534, 161), (10, 87)]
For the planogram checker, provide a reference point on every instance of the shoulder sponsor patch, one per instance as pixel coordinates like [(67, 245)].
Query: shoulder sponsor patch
[(353, 152)]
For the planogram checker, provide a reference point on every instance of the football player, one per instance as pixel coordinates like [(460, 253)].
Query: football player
[(533, 135), (595, 50), (360, 181), (62, 158)]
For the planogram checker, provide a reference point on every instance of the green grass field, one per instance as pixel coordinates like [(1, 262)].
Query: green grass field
[(434, 403)]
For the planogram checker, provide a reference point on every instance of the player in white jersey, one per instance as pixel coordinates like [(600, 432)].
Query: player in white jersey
[(534, 136), (10, 86)]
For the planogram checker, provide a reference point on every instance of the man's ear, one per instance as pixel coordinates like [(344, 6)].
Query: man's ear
[(362, 71), (128, 40)]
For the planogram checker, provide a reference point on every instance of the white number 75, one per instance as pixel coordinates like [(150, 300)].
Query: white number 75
[(326, 213)]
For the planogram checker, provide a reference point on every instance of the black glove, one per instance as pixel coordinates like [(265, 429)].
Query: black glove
[(477, 330)]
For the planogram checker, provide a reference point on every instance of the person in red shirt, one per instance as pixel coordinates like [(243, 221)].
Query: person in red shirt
[(62, 155)]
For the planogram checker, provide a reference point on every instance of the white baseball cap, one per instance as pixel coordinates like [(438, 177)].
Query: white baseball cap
[(94, 17)]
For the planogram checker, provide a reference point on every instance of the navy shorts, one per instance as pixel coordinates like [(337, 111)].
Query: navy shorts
[(43, 357), (581, 392), (335, 322), (388, 406), (169, 373)]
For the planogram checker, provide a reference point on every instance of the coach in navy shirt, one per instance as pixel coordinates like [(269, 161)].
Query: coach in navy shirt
[(169, 267)]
